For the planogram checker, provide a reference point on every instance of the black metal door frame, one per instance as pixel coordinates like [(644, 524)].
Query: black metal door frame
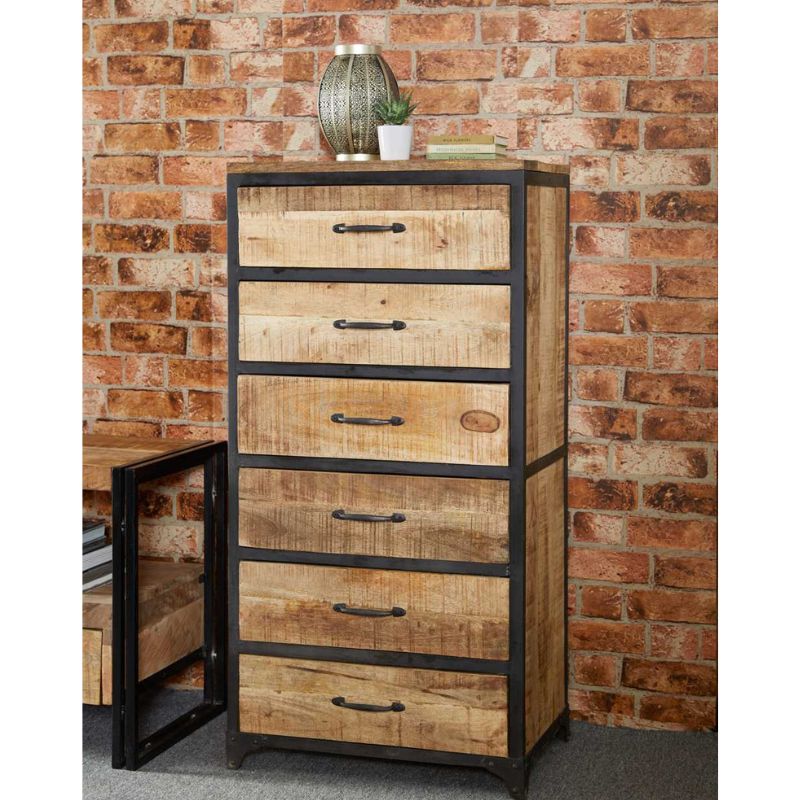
[(128, 751)]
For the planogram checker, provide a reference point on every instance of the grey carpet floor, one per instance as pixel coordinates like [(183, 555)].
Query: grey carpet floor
[(596, 764)]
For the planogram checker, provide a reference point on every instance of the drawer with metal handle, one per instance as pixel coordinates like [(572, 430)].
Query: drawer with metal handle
[(394, 610), (434, 325), (458, 712)]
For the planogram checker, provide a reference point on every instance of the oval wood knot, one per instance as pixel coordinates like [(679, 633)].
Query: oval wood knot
[(480, 421)]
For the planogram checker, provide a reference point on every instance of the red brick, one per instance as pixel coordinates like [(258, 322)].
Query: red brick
[(675, 353), (141, 103), (159, 273), (299, 101), (671, 390), (202, 135), (674, 642), (145, 403), (587, 458), (525, 62), (672, 606), (604, 315), (545, 25), (608, 565), (597, 528), (261, 66), (708, 646), (299, 66), (595, 670), (268, 6), (398, 60), (449, 65), (614, 279), (578, 62), (144, 70), (549, 98), (687, 243), (151, 8), (255, 137), (499, 98), (454, 99), (308, 31), (136, 36), (595, 133), (97, 270), (600, 241), (682, 206), (606, 495), (142, 136), (602, 422), (205, 406), (675, 133), (236, 33), (143, 371), (144, 337), (273, 33), (696, 715), (144, 205), (193, 305), (675, 23), (96, 9), (606, 25), (674, 316), (192, 34), (205, 70), (209, 342), (599, 96), (711, 356), (94, 402), (682, 498), (92, 72), (571, 599), (190, 506), (687, 426), (94, 336), (195, 171), (660, 459), (599, 351), (592, 171), (361, 29), (648, 169), (669, 676), (588, 705), (126, 428), (200, 238), (102, 370), (205, 205), (198, 374), (154, 504), (130, 238), (671, 534), (88, 303), (597, 384), (134, 305), (499, 27), (713, 56), (610, 637), (359, 5), (680, 60), (683, 572), (604, 206), (601, 601), (429, 28), (124, 169), (672, 97), (205, 102)]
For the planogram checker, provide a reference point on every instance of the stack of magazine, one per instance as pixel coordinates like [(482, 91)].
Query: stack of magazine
[(96, 554), (458, 146)]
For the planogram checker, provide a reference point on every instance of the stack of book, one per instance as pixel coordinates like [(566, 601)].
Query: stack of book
[(96, 554), (477, 146)]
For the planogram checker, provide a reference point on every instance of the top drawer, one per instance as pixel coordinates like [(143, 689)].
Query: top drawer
[(435, 227)]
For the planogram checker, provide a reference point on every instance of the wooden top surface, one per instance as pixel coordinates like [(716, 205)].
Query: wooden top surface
[(102, 453), (415, 164)]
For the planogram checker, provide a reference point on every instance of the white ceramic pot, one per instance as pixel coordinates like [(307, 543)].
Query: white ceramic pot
[(394, 142)]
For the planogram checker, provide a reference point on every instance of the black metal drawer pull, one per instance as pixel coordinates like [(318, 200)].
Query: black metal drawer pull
[(340, 513), (366, 420), (395, 611), (342, 703), (395, 227), (395, 325)]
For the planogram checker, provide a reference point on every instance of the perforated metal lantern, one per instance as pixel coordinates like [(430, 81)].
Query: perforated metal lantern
[(356, 79)]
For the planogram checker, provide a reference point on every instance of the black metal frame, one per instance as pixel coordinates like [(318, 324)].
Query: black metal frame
[(128, 751), (514, 768)]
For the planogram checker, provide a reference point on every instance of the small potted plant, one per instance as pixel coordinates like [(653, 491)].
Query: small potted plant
[(394, 136)]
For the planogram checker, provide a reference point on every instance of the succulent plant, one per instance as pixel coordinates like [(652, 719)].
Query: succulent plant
[(395, 110)]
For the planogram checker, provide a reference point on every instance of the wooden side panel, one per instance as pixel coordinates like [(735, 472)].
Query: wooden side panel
[(446, 227), (452, 711), (92, 665), (452, 615), (294, 322), (452, 519), (546, 279), (545, 696), (172, 637), (460, 423)]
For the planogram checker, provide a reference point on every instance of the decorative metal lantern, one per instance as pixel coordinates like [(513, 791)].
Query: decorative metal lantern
[(356, 79)]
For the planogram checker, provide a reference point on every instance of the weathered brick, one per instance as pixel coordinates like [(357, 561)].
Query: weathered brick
[(599, 351), (687, 282), (676, 353), (147, 337), (711, 354), (154, 504), (607, 316), (130, 238), (204, 406), (209, 342), (205, 102), (195, 171), (680, 60), (102, 370), (674, 425), (92, 72), (145, 403), (674, 642), (682, 206), (200, 238), (205, 70), (202, 135), (198, 374), (144, 205), (587, 458), (578, 62), (602, 636), (601, 601), (134, 305), (96, 9), (708, 645), (597, 384), (597, 528), (675, 133), (602, 422), (546, 25), (688, 714), (94, 402), (682, 498), (596, 133), (145, 70), (142, 371), (604, 494), (113, 427), (648, 169), (600, 241), (94, 336), (606, 25), (97, 270), (499, 27), (548, 98), (660, 459), (614, 279), (671, 390), (608, 565), (135, 36), (257, 137), (594, 706), (600, 96), (672, 606), (136, 137), (456, 65), (151, 8), (158, 273), (687, 243), (671, 534), (669, 676), (141, 104), (190, 506), (205, 205), (361, 29), (674, 316), (686, 572), (124, 169), (604, 206), (672, 97), (260, 66), (299, 66), (429, 28), (593, 670), (675, 23), (525, 62), (454, 99), (308, 31)]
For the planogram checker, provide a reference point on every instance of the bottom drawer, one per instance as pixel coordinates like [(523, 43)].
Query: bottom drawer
[(457, 712)]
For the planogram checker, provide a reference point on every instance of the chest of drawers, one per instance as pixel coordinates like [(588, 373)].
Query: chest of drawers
[(397, 341)]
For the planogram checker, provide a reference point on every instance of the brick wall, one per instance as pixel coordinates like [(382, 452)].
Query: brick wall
[(625, 91)]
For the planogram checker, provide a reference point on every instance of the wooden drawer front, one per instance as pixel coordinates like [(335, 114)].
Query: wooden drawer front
[(444, 326), (449, 615), (452, 519), (457, 712), (459, 423), (446, 227)]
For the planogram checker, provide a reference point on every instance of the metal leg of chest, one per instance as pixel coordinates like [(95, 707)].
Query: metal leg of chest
[(514, 772)]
